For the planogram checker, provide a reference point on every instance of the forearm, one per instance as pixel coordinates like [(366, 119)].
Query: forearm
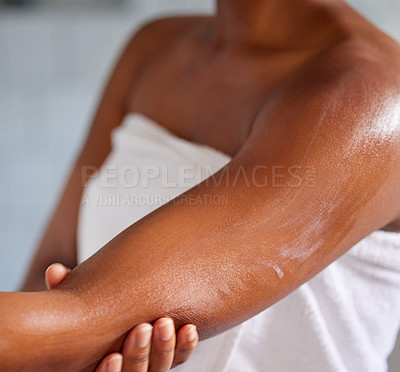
[(41, 331), (196, 263)]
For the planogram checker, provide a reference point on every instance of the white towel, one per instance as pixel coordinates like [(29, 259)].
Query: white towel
[(344, 319)]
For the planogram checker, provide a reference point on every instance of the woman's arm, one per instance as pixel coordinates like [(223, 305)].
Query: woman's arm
[(58, 243), (37, 328), (145, 345), (217, 265)]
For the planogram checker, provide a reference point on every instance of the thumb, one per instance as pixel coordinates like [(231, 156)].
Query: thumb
[(55, 274)]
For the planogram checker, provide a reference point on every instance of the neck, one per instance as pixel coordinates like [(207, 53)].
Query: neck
[(275, 23)]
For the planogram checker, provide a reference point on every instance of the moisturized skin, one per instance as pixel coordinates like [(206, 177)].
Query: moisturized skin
[(146, 347), (275, 83)]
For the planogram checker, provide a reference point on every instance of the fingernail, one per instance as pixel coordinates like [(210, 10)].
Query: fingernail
[(166, 329), (58, 266), (45, 276), (192, 334), (53, 265), (115, 364), (143, 336)]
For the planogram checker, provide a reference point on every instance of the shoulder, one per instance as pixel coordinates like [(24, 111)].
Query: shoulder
[(157, 36), (361, 80), (146, 44), (342, 104), (352, 85), (353, 64)]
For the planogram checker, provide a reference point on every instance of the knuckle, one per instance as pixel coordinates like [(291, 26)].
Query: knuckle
[(138, 359), (165, 352)]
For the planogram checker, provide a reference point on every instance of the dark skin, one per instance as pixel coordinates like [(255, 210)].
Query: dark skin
[(156, 354), (271, 83)]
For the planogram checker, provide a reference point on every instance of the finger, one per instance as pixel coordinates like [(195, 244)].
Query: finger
[(55, 274), (163, 345), (186, 341), (136, 349), (111, 363)]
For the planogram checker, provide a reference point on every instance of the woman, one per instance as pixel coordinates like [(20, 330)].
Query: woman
[(297, 106)]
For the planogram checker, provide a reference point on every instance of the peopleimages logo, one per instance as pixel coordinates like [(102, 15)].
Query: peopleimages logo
[(186, 176)]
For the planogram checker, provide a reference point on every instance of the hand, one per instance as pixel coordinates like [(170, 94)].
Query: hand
[(146, 348)]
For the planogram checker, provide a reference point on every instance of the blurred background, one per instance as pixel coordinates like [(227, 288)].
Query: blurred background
[(54, 59)]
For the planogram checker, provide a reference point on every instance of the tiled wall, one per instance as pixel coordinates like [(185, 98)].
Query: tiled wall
[(53, 62)]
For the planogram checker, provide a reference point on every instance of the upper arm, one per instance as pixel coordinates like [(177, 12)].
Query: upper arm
[(58, 244), (339, 126), (112, 105)]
